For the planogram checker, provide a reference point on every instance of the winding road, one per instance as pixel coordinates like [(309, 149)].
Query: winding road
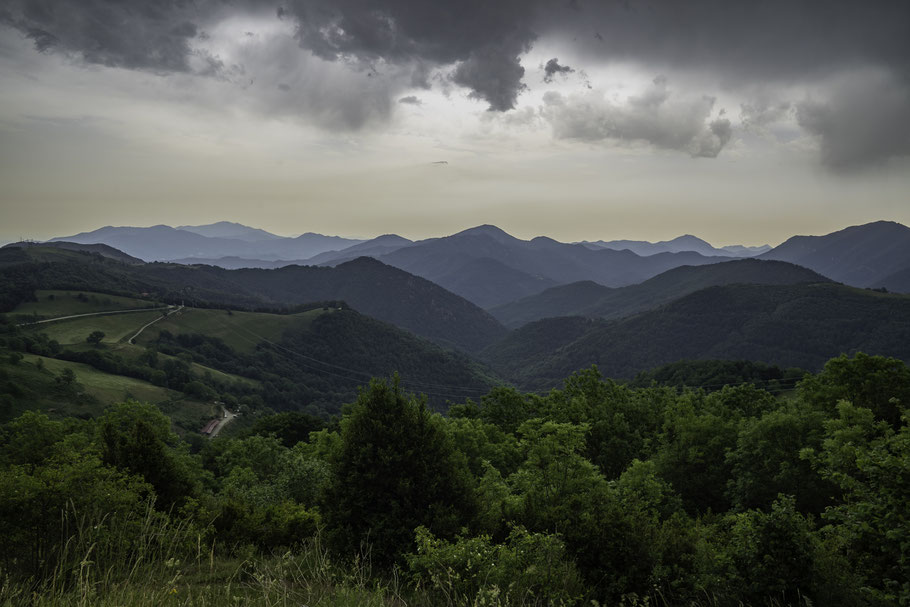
[(131, 310), (146, 326)]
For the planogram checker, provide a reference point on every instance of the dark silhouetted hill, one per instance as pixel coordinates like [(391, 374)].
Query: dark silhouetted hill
[(595, 301), (787, 325)]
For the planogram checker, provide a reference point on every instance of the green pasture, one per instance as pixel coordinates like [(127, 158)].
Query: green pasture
[(38, 390), (116, 327), (53, 303), (239, 330)]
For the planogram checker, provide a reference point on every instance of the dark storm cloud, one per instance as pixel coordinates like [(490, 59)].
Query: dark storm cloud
[(482, 39), (553, 68), (768, 39), (131, 34), (655, 117), (864, 122), (479, 43)]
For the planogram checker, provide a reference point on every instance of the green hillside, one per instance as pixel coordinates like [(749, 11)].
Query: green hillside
[(372, 288), (312, 361), (789, 325), (116, 328), (242, 331), (39, 383), (51, 303)]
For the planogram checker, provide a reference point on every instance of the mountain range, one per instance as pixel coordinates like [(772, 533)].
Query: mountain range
[(686, 242), (491, 268), (367, 285), (223, 239), (592, 300), (795, 325), (572, 305)]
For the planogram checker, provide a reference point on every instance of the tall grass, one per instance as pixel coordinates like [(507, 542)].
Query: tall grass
[(172, 562)]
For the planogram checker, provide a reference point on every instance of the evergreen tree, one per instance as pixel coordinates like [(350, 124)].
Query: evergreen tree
[(397, 470)]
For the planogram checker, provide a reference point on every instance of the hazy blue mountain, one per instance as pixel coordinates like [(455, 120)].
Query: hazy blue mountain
[(164, 243), (543, 259), (861, 256), (679, 244), (596, 301), (375, 247), (488, 282), (235, 263), (787, 325), (739, 250), (229, 229)]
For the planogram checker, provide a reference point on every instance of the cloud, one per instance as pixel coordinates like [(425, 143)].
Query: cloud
[(770, 40), (410, 100), (656, 116), (552, 68), (764, 111), (134, 34), (483, 40), (862, 123)]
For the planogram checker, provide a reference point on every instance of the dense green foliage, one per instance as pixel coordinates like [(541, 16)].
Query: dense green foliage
[(593, 492)]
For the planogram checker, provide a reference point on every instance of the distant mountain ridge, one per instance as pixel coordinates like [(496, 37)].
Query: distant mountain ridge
[(164, 243), (591, 300), (800, 325), (229, 229), (862, 256), (518, 267), (491, 268), (686, 242)]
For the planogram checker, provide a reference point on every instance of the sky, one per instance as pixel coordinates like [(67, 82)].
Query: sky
[(737, 121)]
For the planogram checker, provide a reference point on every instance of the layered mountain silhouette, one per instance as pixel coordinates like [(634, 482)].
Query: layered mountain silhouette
[(164, 243), (687, 242), (368, 286), (862, 256), (801, 325), (519, 268), (229, 229), (592, 300)]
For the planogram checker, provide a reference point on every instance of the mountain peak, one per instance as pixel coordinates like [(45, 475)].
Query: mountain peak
[(487, 230)]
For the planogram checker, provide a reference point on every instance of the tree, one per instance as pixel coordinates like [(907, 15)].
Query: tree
[(95, 337), (396, 470), (136, 437)]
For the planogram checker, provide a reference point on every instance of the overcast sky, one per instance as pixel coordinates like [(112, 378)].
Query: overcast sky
[(738, 121)]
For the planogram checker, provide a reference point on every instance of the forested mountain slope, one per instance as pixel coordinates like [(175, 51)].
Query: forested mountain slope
[(788, 325), (595, 301), (367, 285), (861, 255)]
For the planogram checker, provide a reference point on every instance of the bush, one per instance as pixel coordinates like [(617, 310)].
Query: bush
[(471, 570)]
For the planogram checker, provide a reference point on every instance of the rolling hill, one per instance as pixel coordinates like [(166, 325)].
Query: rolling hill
[(860, 256), (595, 301), (312, 360), (800, 325), (371, 287)]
